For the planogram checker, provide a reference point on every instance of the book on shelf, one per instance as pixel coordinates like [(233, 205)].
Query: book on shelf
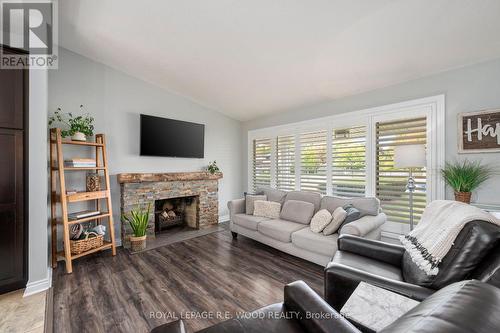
[(80, 162), (83, 214)]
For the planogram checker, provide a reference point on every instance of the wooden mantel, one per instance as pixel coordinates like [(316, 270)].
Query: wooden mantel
[(167, 177)]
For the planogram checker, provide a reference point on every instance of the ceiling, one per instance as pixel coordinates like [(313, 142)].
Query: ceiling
[(256, 57)]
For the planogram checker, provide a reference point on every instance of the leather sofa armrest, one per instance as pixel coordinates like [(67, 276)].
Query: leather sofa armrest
[(176, 326), (236, 206), (389, 253), (314, 314), (342, 280), (364, 225)]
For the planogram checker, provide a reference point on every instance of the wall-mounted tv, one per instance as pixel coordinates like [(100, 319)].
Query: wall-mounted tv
[(170, 137)]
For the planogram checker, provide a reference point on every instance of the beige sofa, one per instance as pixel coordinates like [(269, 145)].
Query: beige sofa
[(296, 238)]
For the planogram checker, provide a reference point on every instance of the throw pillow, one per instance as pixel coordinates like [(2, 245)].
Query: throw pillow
[(338, 218), (297, 211), (250, 199), (320, 220), (353, 214), (269, 209)]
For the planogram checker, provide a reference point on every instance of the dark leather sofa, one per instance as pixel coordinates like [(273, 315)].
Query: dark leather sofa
[(475, 254), (463, 307)]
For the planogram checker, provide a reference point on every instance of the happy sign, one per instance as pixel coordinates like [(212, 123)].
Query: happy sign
[(479, 132)]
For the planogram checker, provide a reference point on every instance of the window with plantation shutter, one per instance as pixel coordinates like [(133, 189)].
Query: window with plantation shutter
[(261, 163), (313, 161), (391, 182), (349, 162), (285, 162)]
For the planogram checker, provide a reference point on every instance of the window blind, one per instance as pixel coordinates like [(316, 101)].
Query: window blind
[(391, 182), (285, 162), (313, 161), (349, 162), (261, 163)]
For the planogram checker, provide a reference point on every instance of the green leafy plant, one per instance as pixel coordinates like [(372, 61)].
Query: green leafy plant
[(466, 176), (213, 167), (138, 220), (83, 123)]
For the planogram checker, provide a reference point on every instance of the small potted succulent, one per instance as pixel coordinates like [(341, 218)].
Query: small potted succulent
[(464, 177), (138, 220), (78, 128)]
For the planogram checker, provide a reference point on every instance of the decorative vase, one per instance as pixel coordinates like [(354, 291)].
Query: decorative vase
[(137, 243), (79, 136), (463, 197), (93, 182)]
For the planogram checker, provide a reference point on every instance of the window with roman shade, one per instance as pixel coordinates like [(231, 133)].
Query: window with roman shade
[(313, 161), (349, 162), (285, 162), (261, 163), (391, 182)]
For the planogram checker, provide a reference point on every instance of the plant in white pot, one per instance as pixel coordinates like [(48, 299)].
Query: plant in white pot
[(78, 128), (138, 220)]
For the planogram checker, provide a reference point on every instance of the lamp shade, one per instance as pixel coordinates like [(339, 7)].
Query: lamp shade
[(409, 156)]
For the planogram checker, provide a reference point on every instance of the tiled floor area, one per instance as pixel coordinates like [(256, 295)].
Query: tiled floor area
[(22, 314)]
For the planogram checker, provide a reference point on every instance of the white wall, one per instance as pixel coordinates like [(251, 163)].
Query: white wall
[(116, 100), (466, 89), (38, 248)]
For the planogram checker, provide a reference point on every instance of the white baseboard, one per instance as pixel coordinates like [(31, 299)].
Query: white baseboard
[(40, 285), (223, 218)]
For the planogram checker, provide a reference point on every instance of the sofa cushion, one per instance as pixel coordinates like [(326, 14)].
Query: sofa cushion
[(315, 242), (248, 221), (353, 214), (279, 229), (307, 196), (320, 220), (366, 206), (269, 209), (273, 194), (249, 201), (338, 218), (297, 211)]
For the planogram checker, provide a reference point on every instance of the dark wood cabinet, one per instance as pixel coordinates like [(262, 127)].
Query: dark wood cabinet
[(13, 179), (11, 98)]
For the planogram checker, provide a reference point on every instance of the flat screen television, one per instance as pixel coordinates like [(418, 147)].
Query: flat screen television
[(170, 137)]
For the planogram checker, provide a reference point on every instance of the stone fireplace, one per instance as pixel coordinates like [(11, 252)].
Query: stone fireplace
[(177, 212), (190, 197)]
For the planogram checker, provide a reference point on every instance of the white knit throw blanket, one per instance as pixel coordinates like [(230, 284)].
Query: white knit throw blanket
[(441, 222)]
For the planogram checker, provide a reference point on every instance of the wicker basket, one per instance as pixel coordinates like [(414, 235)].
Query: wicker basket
[(91, 241), (463, 197)]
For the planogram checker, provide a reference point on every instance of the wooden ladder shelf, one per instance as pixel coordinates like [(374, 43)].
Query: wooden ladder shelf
[(59, 196)]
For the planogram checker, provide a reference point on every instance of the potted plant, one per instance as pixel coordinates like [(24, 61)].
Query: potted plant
[(79, 127), (213, 168), (464, 177), (138, 220)]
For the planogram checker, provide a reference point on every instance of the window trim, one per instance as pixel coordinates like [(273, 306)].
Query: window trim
[(432, 107)]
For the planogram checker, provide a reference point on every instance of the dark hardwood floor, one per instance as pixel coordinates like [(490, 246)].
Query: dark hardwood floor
[(211, 275)]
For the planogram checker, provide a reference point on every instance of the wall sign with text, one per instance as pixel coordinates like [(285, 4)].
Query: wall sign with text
[(479, 132)]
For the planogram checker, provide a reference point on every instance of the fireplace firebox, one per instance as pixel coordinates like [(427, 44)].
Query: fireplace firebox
[(180, 211)]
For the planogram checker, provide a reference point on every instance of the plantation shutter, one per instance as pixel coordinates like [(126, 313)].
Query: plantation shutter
[(313, 161), (391, 182), (261, 163), (349, 162), (285, 162)]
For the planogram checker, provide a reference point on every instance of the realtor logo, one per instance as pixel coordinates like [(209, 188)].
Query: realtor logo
[(30, 27)]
